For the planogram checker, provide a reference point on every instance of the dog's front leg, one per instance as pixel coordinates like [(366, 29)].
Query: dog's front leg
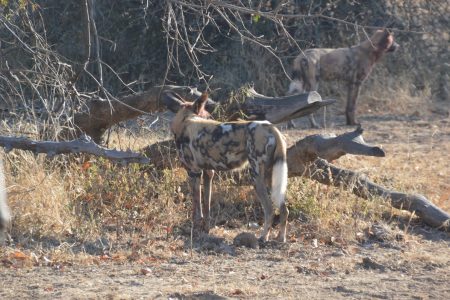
[(353, 93), (312, 121), (207, 181), (195, 180)]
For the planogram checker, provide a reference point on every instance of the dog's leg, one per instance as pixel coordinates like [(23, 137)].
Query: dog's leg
[(312, 121), (266, 202), (207, 182), (353, 93), (284, 212), (195, 180)]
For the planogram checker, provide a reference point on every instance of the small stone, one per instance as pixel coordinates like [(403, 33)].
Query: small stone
[(246, 239), (253, 225)]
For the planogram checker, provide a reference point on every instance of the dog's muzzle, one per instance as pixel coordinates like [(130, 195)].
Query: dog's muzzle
[(394, 47)]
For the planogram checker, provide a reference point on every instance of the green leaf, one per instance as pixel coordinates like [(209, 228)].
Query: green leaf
[(256, 17)]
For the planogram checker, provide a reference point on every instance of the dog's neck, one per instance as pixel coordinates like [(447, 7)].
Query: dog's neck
[(372, 50)]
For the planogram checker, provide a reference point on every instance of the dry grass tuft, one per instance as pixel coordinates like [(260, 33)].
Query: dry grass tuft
[(38, 196)]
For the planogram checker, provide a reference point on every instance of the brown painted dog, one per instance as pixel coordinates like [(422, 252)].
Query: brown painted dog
[(352, 65), (205, 145)]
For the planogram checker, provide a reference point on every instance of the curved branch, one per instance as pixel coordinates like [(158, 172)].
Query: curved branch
[(326, 173), (82, 145)]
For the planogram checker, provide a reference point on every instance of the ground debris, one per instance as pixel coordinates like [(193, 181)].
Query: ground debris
[(369, 263)]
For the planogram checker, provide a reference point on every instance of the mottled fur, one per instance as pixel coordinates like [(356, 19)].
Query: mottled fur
[(351, 65), (205, 145)]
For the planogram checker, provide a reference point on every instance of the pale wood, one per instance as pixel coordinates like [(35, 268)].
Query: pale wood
[(326, 173), (81, 145)]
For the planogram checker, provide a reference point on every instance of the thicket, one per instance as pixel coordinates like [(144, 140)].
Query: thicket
[(57, 54)]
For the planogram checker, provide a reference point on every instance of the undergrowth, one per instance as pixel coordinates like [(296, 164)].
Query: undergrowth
[(65, 203), (76, 200)]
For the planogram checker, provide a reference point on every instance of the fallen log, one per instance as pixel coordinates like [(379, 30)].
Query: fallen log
[(259, 107), (326, 173), (99, 115), (82, 145), (309, 157), (281, 109)]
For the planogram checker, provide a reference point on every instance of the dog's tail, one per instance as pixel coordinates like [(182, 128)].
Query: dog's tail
[(279, 171), (4, 210)]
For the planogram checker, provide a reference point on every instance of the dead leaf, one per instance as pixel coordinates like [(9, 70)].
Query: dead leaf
[(20, 255), (104, 257), (86, 165)]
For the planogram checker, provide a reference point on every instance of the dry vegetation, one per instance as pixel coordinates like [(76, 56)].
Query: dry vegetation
[(79, 199), (129, 226)]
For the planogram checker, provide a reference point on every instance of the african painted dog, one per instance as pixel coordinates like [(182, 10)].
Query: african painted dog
[(352, 65), (205, 145)]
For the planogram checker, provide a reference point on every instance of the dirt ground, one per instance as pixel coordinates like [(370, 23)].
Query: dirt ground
[(413, 263)]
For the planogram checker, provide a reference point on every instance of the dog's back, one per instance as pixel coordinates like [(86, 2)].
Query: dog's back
[(208, 144)]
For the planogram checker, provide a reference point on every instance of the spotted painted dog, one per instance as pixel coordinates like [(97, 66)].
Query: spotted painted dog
[(205, 145), (352, 65)]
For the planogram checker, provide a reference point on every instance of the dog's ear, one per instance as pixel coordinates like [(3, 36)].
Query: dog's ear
[(387, 32), (199, 106), (386, 39), (172, 101)]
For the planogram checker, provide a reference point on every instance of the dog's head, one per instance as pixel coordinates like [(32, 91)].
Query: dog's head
[(184, 109), (175, 103), (197, 107), (383, 41)]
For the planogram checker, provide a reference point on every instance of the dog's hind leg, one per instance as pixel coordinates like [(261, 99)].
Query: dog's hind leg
[(312, 121), (266, 202), (284, 212), (197, 217), (352, 96), (207, 185)]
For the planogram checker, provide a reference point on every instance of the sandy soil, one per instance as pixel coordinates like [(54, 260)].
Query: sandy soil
[(395, 265), (418, 268)]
